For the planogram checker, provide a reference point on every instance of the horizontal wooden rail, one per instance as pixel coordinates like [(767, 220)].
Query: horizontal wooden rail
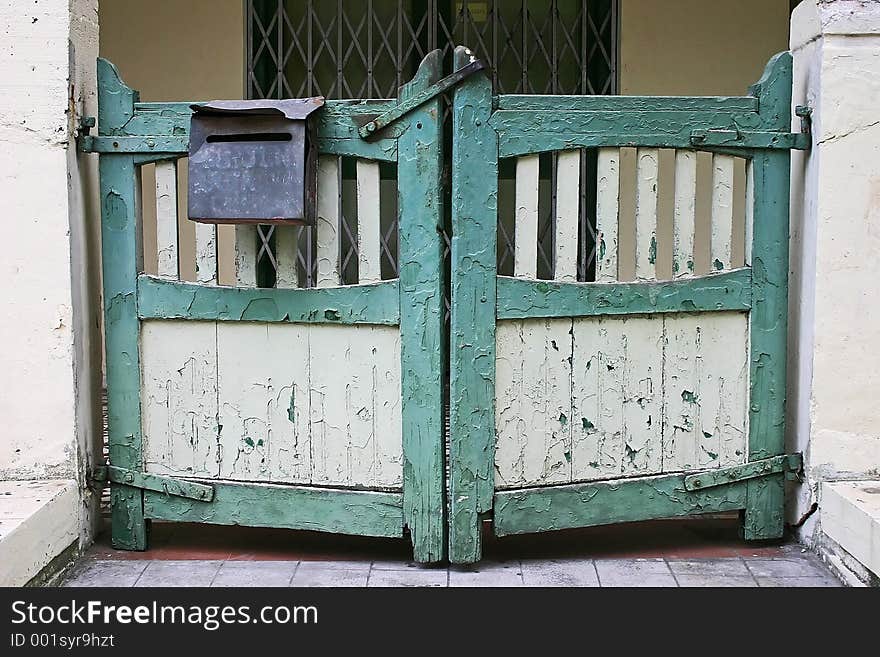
[(378, 303), (608, 502), (520, 298), (366, 513), (737, 104)]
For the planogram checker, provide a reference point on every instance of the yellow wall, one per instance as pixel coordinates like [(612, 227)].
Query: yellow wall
[(698, 47)]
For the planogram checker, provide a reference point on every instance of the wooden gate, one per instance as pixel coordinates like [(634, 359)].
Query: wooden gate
[(657, 388), (316, 409)]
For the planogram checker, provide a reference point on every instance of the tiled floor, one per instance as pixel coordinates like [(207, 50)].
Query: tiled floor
[(690, 553)]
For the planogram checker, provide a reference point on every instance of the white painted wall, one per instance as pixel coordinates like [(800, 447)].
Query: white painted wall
[(834, 362), (50, 358)]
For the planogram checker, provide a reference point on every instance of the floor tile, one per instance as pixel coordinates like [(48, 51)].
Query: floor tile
[(353, 566), (255, 573), (705, 580), (487, 574), (179, 573), (789, 567), (330, 577), (792, 582), (634, 572), (714, 567), (107, 573), (412, 577), (559, 572)]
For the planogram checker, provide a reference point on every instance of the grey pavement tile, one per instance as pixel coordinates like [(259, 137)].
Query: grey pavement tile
[(487, 574), (702, 580), (394, 564), (560, 572), (715, 567), (351, 566), (792, 582), (255, 573), (330, 577), (107, 573), (411, 577), (634, 572), (179, 573), (790, 567)]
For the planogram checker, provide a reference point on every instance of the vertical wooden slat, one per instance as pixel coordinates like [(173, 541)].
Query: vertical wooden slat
[(286, 239), (206, 254), (750, 212), (647, 172), (328, 221), (568, 172), (166, 220), (721, 251), (684, 213), (525, 259), (472, 321), (120, 258), (368, 213), (246, 255), (607, 214)]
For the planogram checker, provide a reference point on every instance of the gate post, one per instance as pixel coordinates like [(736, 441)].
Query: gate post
[(420, 216), (472, 339), (121, 258), (770, 173)]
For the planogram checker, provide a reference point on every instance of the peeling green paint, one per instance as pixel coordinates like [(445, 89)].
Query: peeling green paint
[(588, 426), (689, 397), (563, 420), (652, 250)]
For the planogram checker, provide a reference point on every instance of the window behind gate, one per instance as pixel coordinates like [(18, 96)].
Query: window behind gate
[(368, 48)]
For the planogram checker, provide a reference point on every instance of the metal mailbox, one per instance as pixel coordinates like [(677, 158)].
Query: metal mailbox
[(253, 162)]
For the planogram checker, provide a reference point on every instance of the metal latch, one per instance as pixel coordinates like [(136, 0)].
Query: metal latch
[(157, 483), (788, 463), (370, 124)]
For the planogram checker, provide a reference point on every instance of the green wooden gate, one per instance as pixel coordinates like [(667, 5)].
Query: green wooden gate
[(650, 384), (316, 408), (657, 389)]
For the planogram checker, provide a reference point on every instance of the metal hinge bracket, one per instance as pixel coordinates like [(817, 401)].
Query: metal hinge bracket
[(787, 463), (751, 139), (373, 124), (157, 483)]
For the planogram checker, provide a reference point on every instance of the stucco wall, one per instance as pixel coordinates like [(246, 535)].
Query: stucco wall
[(698, 47)]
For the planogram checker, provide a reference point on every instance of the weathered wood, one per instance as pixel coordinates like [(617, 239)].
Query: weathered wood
[(291, 507), (771, 173), (286, 239), (206, 254), (472, 354), (246, 255), (608, 502), (525, 258), (533, 403), (179, 398), (520, 298), (423, 343), (684, 213), (355, 304), (166, 220), (145, 481), (369, 217), (706, 382), (568, 190), (647, 185), (607, 214), (327, 226), (749, 213), (121, 258), (721, 242), (566, 104)]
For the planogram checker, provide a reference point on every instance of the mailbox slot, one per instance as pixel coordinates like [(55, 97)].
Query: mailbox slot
[(253, 162)]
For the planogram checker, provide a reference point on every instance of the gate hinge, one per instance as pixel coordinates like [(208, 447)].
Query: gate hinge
[(158, 483), (751, 139), (791, 464), (373, 124)]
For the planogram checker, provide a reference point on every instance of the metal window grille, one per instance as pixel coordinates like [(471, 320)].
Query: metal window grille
[(368, 48)]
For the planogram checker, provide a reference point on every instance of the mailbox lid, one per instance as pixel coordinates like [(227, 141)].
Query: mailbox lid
[(292, 109)]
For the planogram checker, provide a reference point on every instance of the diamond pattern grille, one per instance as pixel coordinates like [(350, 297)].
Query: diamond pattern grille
[(368, 48)]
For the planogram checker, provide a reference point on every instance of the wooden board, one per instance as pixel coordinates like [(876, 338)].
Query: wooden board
[(641, 396), (283, 403)]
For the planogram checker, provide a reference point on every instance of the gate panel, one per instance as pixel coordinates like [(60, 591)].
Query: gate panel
[(582, 403), (263, 393)]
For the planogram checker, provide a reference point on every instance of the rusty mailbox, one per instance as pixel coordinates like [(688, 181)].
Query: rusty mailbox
[(253, 161)]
